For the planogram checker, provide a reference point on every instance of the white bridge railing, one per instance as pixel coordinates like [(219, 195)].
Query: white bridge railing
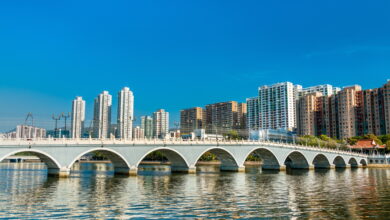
[(84, 141)]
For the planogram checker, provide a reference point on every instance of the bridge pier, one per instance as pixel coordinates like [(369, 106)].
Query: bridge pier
[(63, 172), (192, 170), (348, 166), (133, 171), (332, 166), (241, 169), (311, 167)]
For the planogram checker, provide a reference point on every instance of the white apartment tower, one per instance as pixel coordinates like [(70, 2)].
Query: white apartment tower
[(102, 115), (277, 106), (125, 113), (160, 123), (325, 89), (78, 117)]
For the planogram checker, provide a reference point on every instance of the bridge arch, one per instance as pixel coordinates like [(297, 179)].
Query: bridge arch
[(363, 162), (353, 162), (339, 162), (296, 160), (321, 161), (46, 158), (119, 162), (228, 161), (178, 161), (268, 159)]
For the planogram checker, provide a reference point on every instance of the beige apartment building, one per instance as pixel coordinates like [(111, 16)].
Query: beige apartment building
[(308, 108), (350, 112), (225, 116), (191, 119)]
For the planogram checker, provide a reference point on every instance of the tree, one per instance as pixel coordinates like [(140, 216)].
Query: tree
[(388, 145), (373, 137), (233, 134), (324, 137), (384, 138)]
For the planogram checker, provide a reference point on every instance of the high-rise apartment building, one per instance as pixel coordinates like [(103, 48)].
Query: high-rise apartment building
[(386, 104), (191, 119), (253, 113), (78, 117), (147, 126), (28, 132), (138, 133), (277, 106), (325, 89), (226, 116), (102, 115), (125, 113), (350, 111), (160, 123), (309, 108), (374, 117)]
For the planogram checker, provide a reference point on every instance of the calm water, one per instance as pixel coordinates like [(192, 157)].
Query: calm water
[(94, 192)]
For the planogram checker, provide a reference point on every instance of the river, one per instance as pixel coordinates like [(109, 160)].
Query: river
[(93, 191)]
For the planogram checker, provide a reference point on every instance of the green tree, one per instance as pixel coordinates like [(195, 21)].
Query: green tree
[(373, 137), (208, 156), (388, 145), (233, 134)]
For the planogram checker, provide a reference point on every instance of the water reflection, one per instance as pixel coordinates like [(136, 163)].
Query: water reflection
[(93, 191)]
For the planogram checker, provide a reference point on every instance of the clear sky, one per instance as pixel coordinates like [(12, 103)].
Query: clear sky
[(179, 54)]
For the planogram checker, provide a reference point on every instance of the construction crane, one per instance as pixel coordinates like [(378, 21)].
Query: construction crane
[(65, 116), (29, 116), (56, 119)]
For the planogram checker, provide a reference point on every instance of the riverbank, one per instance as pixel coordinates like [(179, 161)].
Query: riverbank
[(378, 166)]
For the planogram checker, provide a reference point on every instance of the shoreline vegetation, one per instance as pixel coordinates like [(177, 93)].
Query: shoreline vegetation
[(328, 142)]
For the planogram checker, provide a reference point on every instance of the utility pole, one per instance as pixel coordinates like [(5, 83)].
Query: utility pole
[(56, 119), (65, 116)]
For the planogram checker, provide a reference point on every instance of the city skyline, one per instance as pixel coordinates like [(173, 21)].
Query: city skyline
[(60, 51), (48, 123)]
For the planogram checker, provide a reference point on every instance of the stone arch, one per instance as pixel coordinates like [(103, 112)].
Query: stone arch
[(228, 161), (46, 158), (296, 160), (178, 161), (269, 160), (321, 161), (363, 162), (121, 166), (353, 162), (339, 162)]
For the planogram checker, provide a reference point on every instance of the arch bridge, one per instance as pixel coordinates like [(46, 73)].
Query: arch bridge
[(60, 155)]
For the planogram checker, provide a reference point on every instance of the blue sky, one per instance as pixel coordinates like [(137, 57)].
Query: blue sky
[(178, 54)]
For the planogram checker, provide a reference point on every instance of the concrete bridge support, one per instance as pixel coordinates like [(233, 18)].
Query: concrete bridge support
[(63, 172)]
